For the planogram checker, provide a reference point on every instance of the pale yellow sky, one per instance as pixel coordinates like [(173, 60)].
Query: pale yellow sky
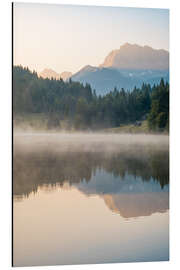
[(66, 38)]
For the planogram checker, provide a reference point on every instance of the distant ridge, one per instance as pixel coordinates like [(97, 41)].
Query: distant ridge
[(50, 73), (126, 67), (133, 56), (65, 75)]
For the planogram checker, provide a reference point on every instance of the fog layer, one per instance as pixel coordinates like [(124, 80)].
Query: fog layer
[(73, 142)]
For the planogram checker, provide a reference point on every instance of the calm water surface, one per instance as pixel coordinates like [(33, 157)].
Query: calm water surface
[(90, 200)]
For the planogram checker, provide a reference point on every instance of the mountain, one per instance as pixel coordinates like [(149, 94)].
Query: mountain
[(133, 56), (127, 67), (128, 197), (138, 204), (105, 79), (65, 75), (50, 73)]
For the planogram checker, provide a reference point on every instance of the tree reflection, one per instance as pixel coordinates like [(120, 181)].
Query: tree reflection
[(35, 169)]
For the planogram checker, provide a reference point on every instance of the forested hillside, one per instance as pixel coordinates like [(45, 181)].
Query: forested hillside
[(82, 108)]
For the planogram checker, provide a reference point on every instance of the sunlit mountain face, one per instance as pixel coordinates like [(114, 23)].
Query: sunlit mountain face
[(133, 56), (127, 67), (50, 73)]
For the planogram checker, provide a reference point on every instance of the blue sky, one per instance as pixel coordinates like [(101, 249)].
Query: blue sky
[(67, 37)]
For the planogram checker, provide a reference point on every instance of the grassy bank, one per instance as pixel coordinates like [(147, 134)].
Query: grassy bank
[(131, 128), (39, 121), (35, 121)]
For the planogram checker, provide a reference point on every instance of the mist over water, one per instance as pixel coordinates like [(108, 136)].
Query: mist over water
[(52, 158), (102, 191), (93, 142)]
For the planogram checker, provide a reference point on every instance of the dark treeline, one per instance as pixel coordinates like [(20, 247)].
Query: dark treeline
[(81, 108)]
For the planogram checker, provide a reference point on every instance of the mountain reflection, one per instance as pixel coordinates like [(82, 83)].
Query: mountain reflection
[(145, 204), (130, 184)]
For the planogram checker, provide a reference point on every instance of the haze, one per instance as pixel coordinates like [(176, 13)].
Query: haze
[(60, 142), (66, 38)]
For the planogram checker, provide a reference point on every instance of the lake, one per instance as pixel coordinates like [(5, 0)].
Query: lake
[(90, 198)]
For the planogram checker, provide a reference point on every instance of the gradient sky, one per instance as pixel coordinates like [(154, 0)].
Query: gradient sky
[(67, 37)]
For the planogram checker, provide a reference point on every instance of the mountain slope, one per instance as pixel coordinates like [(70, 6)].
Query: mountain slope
[(127, 67), (50, 73), (132, 56), (105, 79), (65, 75)]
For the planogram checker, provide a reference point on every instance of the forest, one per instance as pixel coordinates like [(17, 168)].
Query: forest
[(83, 109)]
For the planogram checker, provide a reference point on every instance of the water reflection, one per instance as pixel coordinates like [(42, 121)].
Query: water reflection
[(131, 185), (95, 199)]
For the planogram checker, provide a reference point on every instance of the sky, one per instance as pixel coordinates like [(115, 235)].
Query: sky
[(68, 37)]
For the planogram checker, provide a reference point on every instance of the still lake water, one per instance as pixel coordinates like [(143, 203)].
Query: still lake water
[(90, 199)]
